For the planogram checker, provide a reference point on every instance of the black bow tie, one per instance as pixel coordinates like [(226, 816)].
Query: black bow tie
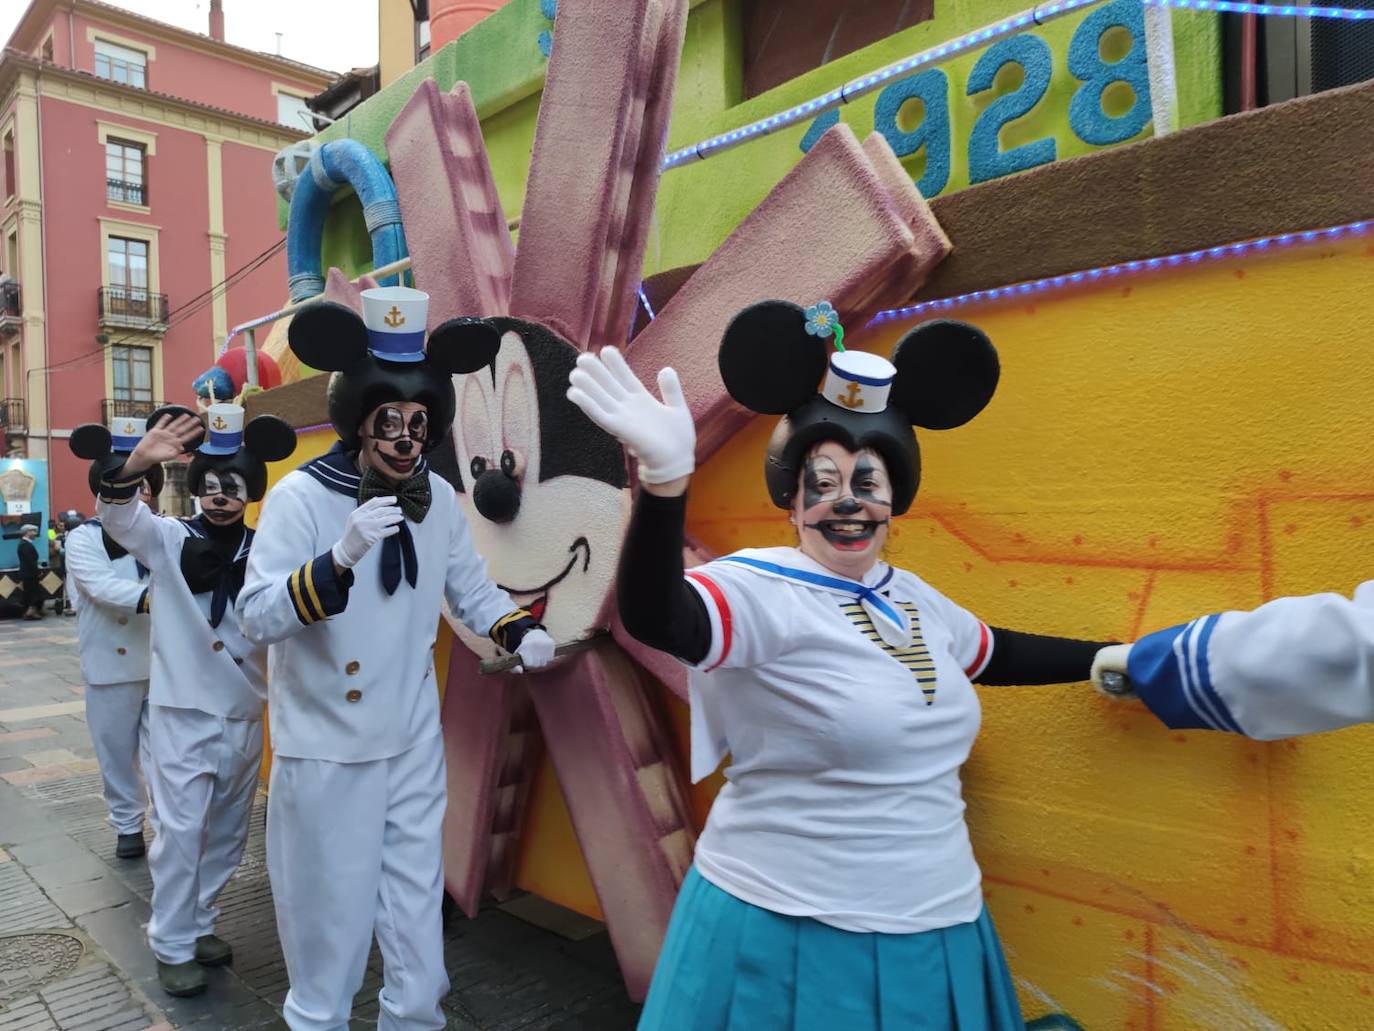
[(413, 495), (208, 566)]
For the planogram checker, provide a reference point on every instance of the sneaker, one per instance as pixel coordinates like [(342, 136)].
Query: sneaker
[(130, 846), (181, 979), (213, 951)]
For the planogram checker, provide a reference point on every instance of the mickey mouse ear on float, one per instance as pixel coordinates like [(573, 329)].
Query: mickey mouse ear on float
[(947, 372), (91, 441), (269, 438), (769, 362), (328, 336), (463, 345)]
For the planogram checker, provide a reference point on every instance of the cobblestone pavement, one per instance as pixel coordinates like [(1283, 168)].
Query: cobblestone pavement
[(73, 918)]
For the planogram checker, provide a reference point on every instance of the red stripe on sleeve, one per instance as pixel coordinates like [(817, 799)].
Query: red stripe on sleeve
[(984, 641), (722, 609)]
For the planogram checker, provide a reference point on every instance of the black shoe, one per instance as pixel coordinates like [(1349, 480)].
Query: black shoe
[(130, 846), (181, 979), (213, 951)]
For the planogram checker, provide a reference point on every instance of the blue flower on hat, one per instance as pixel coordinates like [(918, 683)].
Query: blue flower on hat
[(821, 320)]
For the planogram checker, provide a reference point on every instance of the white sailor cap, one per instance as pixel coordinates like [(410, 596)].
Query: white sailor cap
[(125, 432), (395, 319), (858, 381), (224, 423)]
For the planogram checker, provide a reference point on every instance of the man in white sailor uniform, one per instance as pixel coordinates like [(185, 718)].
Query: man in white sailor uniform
[(110, 588), (357, 553), (1293, 666), (207, 682)]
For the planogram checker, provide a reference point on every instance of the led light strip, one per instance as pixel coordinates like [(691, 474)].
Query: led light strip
[(1268, 10), (1038, 15), (1034, 286)]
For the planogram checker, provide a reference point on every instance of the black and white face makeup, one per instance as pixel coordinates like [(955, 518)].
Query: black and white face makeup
[(844, 508), (222, 497), (393, 435)]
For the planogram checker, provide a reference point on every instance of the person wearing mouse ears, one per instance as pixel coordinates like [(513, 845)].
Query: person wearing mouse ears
[(207, 680), (834, 884), (358, 552), (1292, 666), (110, 588)]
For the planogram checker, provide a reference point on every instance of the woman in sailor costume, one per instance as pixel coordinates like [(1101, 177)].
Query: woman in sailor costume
[(207, 681), (110, 588), (834, 885), (1292, 666), (358, 552)]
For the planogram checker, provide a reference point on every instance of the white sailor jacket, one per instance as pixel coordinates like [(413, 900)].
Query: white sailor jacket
[(1292, 666), (111, 596), (351, 666), (194, 665)]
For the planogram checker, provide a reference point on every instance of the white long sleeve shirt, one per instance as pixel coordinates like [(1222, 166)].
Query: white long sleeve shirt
[(1292, 666), (194, 665), (351, 667), (111, 596)]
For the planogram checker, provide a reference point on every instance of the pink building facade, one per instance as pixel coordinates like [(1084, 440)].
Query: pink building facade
[(137, 224)]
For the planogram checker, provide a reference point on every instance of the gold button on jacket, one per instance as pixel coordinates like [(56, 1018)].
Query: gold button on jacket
[(354, 695), (353, 667)]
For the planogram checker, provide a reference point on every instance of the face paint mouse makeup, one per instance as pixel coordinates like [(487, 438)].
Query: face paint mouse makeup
[(844, 507)]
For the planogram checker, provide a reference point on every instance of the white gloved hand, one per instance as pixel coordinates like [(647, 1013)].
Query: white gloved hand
[(659, 433), (367, 524), (1111, 659), (535, 649)]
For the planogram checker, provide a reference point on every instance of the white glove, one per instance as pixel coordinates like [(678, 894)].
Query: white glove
[(535, 649), (367, 524), (659, 433), (1111, 659)]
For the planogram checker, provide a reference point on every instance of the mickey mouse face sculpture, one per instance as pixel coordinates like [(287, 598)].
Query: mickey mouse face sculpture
[(546, 491), (942, 374)]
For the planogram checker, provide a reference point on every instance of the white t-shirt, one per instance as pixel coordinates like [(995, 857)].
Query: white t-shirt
[(842, 800)]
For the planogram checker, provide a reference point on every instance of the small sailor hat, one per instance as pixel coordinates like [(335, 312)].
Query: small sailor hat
[(395, 318), (224, 423)]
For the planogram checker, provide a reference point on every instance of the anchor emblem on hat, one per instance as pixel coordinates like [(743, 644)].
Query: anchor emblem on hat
[(853, 397), (394, 317), (219, 422)]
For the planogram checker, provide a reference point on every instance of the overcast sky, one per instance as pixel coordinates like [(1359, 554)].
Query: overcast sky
[(332, 34)]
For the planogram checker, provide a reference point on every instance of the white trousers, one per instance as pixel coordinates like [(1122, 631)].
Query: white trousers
[(117, 717), (204, 773), (354, 848)]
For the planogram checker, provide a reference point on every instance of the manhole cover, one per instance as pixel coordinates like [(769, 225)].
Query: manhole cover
[(36, 958)]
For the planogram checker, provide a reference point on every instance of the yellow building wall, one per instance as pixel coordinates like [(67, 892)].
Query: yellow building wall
[(1160, 446)]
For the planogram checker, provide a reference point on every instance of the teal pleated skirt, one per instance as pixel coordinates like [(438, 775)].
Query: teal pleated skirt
[(728, 965)]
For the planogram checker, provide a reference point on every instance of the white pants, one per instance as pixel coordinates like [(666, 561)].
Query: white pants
[(354, 848), (204, 772), (117, 716)]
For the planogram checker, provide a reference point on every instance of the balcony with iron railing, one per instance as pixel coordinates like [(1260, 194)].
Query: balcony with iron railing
[(10, 308), (126, 192), (132, 308), (122, 408), (12, 417)]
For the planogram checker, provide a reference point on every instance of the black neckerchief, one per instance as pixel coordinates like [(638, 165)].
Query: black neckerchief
[(214, 558), (338, 470)]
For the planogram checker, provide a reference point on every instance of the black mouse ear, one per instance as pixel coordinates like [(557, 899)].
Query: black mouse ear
[(269, 438), (463, 345), (947, 372), (328, 336), (769, 363), (176, 411), (90, 441)]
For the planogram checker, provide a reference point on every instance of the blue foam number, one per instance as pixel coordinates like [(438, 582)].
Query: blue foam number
[(986, 159), (1089, 122), (931, 87), (818, 128)]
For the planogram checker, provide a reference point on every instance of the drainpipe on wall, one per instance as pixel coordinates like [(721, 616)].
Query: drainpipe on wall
[(217, 20)]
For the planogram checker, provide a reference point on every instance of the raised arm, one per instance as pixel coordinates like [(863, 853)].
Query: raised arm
[(89, 566), (127, 519)]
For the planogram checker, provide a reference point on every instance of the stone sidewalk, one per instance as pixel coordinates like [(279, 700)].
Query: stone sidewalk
[(73, 918)]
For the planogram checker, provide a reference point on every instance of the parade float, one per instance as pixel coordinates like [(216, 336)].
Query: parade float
[(1179, 300)]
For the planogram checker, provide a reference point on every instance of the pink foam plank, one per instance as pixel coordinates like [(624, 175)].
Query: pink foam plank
[(338, 288), (623, 266), (524, 747), (577, 163), (460, 245), (476, 717), (826, 231), (615, 763)]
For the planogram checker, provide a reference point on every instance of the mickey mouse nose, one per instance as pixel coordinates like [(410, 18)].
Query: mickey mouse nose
[(497, 496)]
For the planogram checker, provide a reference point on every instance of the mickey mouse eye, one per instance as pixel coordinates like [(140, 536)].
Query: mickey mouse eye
[(478, 466), (508, 463)]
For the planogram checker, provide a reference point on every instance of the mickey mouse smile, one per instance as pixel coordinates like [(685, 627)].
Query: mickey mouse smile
[(848, 533), (540, 594)]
